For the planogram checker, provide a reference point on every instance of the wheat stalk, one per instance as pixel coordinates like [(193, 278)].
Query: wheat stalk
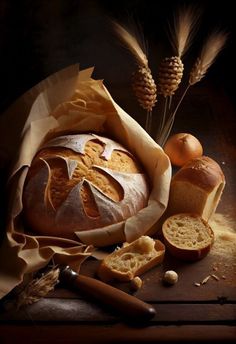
[(38, 288), (213, 45), (143, 84), (171, 68)]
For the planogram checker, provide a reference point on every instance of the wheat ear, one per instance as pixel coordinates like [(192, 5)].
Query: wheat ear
[(143, 84), (38, 288), (213, 45), (171, 68), (210, 50)]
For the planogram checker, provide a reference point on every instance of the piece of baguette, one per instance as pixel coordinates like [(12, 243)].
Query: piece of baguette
[(196, 188), (187, 236), (132, 260)]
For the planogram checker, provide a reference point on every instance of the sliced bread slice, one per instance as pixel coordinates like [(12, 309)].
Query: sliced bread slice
[(187, 236), (132, 259)]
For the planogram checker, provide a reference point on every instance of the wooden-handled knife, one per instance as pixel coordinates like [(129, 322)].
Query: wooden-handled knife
[(129, 306)]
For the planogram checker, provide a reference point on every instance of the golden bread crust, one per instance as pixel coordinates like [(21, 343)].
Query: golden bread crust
[(203, 172), (82, 182)]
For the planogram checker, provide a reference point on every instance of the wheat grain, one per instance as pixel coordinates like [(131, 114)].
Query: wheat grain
[(197, 284), (206, 279), (215, 277)]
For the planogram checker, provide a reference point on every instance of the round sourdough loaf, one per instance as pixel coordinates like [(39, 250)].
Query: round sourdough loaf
[(187, 236), (82, 182)]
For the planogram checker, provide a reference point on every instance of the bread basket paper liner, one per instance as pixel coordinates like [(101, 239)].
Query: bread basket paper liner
[(71, 101)]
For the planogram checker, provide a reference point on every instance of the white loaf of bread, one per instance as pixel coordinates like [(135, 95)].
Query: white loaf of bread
[(196, 188)]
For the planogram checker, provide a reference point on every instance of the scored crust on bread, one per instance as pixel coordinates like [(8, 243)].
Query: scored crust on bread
[(132, 259), (82, 182), (187, 236), (196, 188)]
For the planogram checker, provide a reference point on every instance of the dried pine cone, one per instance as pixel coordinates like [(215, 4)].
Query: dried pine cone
[(144, 87), (170, 75)]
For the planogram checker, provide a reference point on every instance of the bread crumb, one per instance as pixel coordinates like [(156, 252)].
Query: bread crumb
[(136, 283), (197, 284), (215, 277), (206, 279), (170, 277), (223, 277)]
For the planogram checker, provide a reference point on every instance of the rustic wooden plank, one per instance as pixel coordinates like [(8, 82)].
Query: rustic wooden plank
[(116, 334), (74, 310), (189, 274)]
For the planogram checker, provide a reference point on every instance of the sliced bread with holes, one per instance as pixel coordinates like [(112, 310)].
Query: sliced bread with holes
[(187, 236), (132, 259)]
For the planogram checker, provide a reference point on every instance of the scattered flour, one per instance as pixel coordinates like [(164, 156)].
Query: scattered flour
[(225, 236)]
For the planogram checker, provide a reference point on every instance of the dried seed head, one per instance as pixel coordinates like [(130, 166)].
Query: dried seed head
[(38, 288), (144, 87), (213, 45), (170, 75), (197, 72)]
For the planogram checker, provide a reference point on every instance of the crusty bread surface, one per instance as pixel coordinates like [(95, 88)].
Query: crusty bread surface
[(196, 188), (82, 182), (61, 185), (132, 259), (187, 236)]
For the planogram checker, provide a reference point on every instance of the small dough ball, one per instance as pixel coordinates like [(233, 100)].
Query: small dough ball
[(170, 277), (136, 283)]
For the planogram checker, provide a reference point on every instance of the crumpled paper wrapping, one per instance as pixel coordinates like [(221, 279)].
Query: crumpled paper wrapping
[(71, 102)]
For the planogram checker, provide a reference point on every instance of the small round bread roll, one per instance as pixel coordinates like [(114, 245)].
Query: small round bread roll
[(82, 182), (187, 236)]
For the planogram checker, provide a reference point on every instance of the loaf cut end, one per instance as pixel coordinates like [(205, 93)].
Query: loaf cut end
[(187, 236)]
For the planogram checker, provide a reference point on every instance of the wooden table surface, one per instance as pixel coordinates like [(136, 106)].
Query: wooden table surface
[(41, 37), (183, 312)]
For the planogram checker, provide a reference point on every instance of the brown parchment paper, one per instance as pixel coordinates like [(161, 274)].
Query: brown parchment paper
[(69, 102)]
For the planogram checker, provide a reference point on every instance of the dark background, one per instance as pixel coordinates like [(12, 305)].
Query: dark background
[(38, 38)]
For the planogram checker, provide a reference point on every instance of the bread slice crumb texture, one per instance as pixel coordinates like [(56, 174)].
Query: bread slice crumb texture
[(187, 232), (134, 256)]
